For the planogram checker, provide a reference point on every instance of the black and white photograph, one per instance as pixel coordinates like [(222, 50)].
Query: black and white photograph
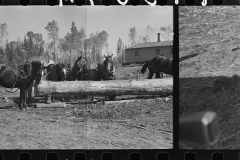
[(88, 77), (209, 64)]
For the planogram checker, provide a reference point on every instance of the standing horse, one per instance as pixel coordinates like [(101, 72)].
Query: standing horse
[(158, 65), (56, 72), (26, 70), (14, 78), (82, 72), (80, 67), (107, 71)]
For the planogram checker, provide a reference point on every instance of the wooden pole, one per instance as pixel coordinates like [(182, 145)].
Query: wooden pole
[(105, 88)]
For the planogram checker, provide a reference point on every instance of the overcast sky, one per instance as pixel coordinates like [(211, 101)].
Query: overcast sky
[(115, 20)]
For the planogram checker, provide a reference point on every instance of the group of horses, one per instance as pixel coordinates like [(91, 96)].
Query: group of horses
[(25, 76), (81, 71)]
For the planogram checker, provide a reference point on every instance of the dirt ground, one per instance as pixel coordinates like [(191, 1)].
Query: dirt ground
[(145, 123)]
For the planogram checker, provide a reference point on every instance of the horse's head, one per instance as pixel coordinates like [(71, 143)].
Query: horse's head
[(37, 69), (68, 74), (81, 65), (63, 72), (44, 68), (108, 63), (108, 68)]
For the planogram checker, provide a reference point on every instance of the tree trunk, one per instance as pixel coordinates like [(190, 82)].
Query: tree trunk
[(106, 88), (71, 64)]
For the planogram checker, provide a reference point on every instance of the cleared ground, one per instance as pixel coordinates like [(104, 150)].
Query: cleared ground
[(145, 123)]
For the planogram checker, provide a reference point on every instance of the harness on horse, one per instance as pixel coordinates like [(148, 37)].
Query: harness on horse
[(17, 81), (87, 73), (21, 72), (52, 70)]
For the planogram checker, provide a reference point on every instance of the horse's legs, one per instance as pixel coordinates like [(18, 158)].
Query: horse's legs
[(21, 99), (158, 75), (24, 100), (150, 75), (161, 74), (29, 91), (52, 98)]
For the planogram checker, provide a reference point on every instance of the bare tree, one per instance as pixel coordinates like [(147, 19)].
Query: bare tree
[(3, 32), (53, 31), (167, 32)]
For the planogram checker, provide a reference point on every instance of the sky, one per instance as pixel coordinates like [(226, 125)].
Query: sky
[(115, 20)]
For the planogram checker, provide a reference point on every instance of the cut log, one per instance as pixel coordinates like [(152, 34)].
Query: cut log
[(51, 105), (106, 88), (127, 101)]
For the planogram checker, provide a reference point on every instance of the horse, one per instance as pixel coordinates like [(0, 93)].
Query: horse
[(158, 65), (25, 69), (91, 75), (80, 67), (68, 74), (82, 72), (107, 71), (56, 72), (14, 78)]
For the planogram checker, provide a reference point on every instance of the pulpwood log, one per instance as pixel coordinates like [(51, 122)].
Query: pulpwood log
[(52, 105), (105, 88)]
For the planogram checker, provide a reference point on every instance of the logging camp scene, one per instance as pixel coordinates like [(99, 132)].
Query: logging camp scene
[(209, 79), (86, 77)]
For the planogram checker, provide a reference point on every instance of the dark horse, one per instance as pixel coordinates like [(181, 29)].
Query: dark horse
[(158, 65), (14, 78), (107, 72), (80, 67), (56, 72), (107, 69), (25, 69), (82, 72)]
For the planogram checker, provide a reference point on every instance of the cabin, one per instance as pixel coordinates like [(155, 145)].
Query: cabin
[(143, 52)]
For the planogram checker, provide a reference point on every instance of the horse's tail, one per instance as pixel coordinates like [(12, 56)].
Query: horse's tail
[(144, 68)]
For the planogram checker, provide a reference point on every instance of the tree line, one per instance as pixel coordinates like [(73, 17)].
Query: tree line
[(66, 49)]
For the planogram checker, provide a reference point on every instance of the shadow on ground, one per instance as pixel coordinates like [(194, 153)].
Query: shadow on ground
[(219, 94)]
